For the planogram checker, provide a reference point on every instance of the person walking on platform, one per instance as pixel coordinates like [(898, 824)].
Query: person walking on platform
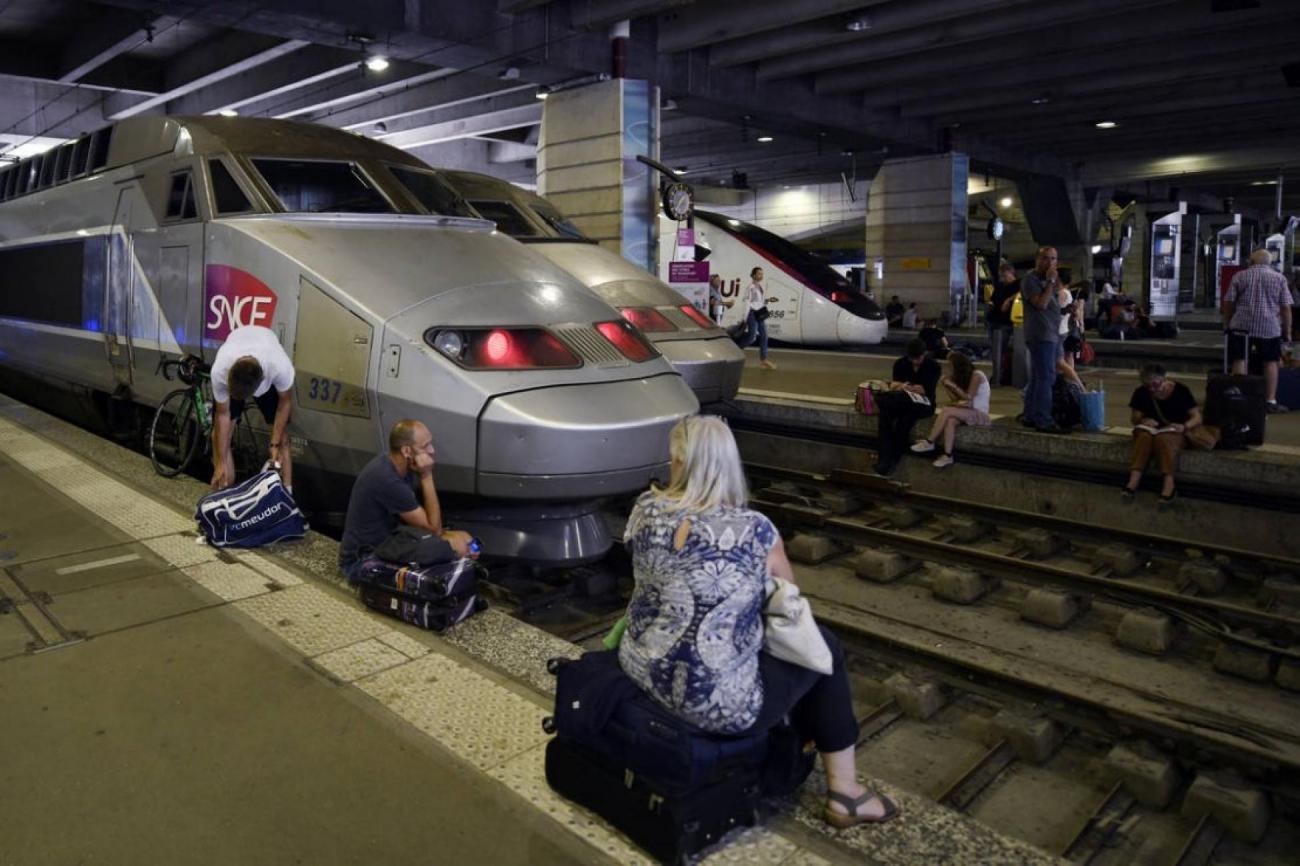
[(910, 398), (998, 319), (383, 497), (1039, 291), (694, 638), (1163, 413), (756, 318), (251, 364), (970, 388), (1258, 302)]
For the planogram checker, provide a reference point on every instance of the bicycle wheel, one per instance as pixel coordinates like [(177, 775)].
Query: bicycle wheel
[(175, 433)]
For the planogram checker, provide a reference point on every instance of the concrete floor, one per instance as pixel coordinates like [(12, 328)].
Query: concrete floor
[(179, 732), (809, 372)]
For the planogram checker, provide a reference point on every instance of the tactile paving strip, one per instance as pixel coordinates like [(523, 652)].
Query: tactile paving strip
[(311, 620), (515, 648), (751, 845), (181, 550), (405, 644), (359, 660), (228, 581), (277, 573), (479, 720), (526, 776)]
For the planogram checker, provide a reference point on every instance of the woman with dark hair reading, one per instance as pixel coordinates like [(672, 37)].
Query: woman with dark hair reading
[(970, 389)]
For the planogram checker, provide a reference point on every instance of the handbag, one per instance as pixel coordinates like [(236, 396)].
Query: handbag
[(1203, 437), (789, 631), (1092, 406), (761, 314), (864, 399), (1087, 354)]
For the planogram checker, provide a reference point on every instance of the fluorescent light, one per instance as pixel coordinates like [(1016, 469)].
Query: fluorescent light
[(858, 23), (1263, 183), (1096, 248), (228, 112), (1005, 201), (377, 63), (681, 169), (1040, 100), (1106, 124), (542, 94), (764, 139)]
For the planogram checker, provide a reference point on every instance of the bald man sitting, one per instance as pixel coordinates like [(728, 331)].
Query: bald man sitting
[(383, 497)]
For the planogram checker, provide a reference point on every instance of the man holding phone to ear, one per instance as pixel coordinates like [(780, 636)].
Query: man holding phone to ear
[(383, 497), (1039, 289)]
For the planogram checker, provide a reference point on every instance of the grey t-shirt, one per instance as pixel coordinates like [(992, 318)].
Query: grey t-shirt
[(1045, 324)]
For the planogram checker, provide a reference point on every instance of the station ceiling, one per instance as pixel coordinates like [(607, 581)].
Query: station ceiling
[(1203, 95)]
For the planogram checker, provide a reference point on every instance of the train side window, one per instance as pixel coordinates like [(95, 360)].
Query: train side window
[(99, 142), (432, 192), (180, 201), (64, 162), (319, 186), (48, 161), (4, 183), (227, 195), (80, 154)]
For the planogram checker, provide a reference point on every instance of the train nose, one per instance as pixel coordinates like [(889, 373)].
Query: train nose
[(711, 368), (853, 330), (579, 441)]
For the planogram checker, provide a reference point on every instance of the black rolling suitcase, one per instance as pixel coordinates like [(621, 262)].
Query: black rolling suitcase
[(435, 596), (1236, 404), (671, 788)]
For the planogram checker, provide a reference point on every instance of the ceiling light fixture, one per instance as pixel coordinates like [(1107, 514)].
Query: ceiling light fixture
[(764, 139), (858, 23), (1005, 201), (228, 112), (1106, 124), (1263, 183), (1041, 99), (377, 63), (542, 92), (681, 169)]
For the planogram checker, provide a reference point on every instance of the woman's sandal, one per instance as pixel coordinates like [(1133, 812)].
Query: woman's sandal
[(1127, 493), (1165, 500), (852, 818)]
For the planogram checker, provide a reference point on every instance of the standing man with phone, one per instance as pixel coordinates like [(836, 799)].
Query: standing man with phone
[(1039, 291)]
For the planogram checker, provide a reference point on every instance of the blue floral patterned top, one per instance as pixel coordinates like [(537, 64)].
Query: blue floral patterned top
[(695, 620)]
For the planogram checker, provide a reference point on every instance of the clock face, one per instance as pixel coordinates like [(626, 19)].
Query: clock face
[(678, 201)]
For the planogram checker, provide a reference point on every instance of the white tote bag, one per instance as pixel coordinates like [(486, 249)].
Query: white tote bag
[(789, 631)]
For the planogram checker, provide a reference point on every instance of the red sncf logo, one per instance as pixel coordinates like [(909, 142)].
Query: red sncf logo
[(235, 298)]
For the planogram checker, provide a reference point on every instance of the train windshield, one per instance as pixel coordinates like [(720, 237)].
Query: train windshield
[(509, 219), (557, 221), (815, 273), (311, 186), (430, 191)]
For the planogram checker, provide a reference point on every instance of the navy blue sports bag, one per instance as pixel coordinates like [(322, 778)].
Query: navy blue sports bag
[(257, 512)]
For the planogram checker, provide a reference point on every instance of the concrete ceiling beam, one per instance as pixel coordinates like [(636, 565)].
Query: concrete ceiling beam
[(597, 14), (1142, 31), (46, 109), (461, 93), (1049, 70), (301, 69), (224, 59), (510, 151), (470, 126), (946, 34), (352, 89), (827, 33), (34, 63), (708, 23), (103, 35)]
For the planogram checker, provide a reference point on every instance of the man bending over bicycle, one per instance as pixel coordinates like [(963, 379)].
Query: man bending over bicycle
[(251, 364)]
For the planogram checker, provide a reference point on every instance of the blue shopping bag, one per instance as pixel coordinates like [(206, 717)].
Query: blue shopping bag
[(1093, 406)]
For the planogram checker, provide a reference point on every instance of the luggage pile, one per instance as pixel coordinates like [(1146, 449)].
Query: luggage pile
[(434, 597), (671, 788)]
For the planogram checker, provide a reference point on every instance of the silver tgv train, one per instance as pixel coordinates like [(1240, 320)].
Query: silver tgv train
[(157, 236), (706, 357)]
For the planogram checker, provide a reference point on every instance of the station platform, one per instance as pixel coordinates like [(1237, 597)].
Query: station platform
[(180, 704)]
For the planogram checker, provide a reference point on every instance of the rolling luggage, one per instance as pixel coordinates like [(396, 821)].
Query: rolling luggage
[(670, 787), (435, 597), (1235, 404)]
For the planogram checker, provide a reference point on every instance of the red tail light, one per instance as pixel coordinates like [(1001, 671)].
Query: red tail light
[(647, 319), (697, 317), (502, 348), (840, 297), (626, 339)]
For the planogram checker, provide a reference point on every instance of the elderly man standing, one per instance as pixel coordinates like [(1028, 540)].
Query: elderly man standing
[(1039, 289), (1258, 302)]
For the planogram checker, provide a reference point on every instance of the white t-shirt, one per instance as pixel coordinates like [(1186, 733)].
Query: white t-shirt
[(909, 318), (1065, 320), (980, 399), (754, 297), (260, 343)]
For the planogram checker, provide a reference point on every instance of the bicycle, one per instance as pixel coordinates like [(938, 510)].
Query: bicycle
[(182, 424)]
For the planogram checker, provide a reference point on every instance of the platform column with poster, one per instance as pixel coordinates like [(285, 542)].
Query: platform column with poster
[(688, 277)]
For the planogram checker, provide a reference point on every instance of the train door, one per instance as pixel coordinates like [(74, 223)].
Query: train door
[(117, 288), (180, 266), (331, 355)]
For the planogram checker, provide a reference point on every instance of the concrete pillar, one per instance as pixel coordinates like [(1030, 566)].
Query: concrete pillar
[(916, 228), (586, 163)]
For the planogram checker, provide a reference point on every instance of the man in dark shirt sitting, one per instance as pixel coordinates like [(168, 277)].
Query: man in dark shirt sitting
[(383, 497), (894, 312), (936, 341), (910, 398)]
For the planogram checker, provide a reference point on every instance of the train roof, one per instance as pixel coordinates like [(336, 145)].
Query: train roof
[(140, 138)]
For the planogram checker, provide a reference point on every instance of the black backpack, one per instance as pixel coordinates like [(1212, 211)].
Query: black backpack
[(1066, 411)]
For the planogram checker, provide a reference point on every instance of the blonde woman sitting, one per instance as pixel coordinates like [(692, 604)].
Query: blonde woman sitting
[(694, 638), (970, 388)]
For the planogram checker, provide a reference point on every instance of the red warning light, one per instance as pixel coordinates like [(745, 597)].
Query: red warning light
[(497, 347)]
